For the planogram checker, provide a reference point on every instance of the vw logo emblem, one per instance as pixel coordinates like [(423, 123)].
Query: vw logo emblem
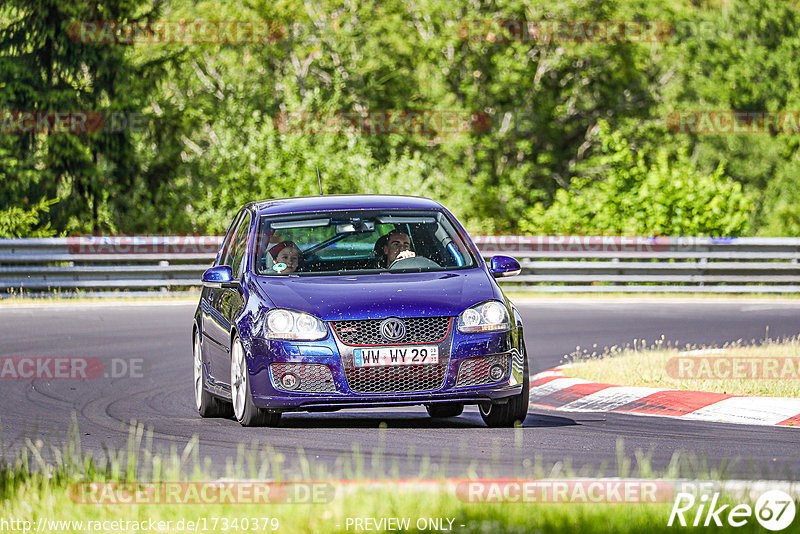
[(393, 329)]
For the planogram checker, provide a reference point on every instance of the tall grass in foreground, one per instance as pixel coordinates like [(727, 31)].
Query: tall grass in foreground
[(35, 483)]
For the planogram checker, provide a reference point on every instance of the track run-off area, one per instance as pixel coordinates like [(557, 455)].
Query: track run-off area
[(146, 376)]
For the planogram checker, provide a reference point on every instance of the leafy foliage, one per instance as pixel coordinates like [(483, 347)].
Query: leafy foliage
[(44, 70), (634, 196), (559, 113), (19, 222)]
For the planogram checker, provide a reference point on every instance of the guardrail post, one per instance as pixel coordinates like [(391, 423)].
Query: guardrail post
[(703, 264)]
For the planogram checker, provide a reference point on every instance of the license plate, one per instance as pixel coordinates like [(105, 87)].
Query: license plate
[(376, 357)]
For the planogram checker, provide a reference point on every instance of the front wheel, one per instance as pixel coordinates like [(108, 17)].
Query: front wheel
[(515, 410), (247, 413)]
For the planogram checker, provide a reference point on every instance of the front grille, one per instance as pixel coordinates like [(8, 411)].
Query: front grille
[(475, 371), (367, 331), (314, 377), (396, 379)]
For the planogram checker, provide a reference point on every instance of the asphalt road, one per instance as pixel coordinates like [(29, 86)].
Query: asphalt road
[(149, 347)]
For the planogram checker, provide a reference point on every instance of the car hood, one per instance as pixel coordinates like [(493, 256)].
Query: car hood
[(333, 298)]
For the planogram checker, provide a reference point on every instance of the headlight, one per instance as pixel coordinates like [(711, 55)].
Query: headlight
[(489, 316), (287, 324)]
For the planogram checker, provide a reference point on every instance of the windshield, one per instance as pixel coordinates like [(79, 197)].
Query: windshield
[(359, 241)]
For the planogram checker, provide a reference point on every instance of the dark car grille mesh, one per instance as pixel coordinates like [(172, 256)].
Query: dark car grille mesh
[(396, 379), (314, 377), (367, 331), (475, 371)]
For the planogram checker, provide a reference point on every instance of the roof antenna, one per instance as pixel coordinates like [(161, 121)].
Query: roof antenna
[(319, 178)]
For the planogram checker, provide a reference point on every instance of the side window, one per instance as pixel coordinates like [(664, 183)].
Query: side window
[(224, 255), (239, 246), (230, 245)]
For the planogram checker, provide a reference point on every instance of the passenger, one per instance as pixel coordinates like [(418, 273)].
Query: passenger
[(287, 256)]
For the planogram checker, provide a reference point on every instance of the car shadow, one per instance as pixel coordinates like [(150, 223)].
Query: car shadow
[(408, 419)]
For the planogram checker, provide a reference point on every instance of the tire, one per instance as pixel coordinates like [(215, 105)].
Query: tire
[(515, 410), (247, 413), (207, 404), (445, 409)]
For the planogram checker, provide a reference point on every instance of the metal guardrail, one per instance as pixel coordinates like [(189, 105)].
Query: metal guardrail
[(549, 264)]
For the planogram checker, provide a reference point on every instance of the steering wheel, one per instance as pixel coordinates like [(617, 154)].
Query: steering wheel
[(415, 262)]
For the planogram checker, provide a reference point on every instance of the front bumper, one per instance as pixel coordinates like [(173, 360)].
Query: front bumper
[(294, 403), (338, 359)]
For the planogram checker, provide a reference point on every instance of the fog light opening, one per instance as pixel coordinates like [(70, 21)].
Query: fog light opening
[(289, 381), (496, 372)]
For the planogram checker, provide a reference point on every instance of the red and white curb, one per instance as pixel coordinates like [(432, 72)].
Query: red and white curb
[(552, 389)]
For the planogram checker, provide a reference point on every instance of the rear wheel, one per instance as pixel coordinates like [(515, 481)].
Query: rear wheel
[(515, 410), (207, 404), (247, 413), (445, 409)]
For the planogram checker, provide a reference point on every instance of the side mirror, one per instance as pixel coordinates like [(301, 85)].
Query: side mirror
[(219, 276), (501, 266)]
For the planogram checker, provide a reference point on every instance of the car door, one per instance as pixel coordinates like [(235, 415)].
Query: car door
[(228, 302), (215, 329)]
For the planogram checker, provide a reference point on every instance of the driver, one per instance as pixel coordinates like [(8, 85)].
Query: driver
[(397, 247)]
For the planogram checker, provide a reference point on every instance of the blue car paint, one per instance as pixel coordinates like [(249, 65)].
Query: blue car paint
[(241, 310)]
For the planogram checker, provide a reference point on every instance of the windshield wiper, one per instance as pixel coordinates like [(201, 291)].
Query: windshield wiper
[(327, 242)]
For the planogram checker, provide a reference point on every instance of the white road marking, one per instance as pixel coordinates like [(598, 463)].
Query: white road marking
[(609, 399), (748, 410), (555, 385)]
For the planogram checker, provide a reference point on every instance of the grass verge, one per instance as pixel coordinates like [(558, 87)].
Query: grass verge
[(39, 495), (417, 512), (769, 369)]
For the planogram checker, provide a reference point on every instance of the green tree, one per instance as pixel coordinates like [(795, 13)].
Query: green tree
[(635, 195), (211, 145), (44, 70), (741, 55), (18, 222)]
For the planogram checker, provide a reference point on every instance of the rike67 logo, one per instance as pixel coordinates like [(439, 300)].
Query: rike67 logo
[(774, 510)]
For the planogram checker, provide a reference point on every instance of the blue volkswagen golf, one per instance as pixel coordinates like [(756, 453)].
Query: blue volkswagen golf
[(356, 301)]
